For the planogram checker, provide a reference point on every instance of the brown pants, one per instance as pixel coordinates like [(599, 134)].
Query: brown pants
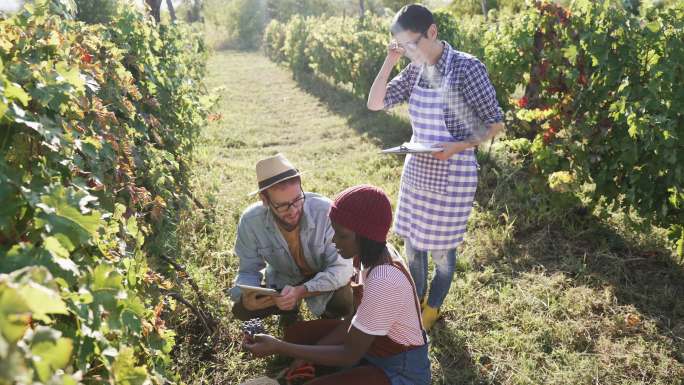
[(341, 305), (310, 332)]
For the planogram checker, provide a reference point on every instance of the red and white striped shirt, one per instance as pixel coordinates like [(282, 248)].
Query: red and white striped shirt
[(388, 307)]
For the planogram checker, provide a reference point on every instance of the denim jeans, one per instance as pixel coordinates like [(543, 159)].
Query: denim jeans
[(445, 266), (411, 367)]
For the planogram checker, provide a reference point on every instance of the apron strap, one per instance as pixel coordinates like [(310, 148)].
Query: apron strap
[(400, 266)]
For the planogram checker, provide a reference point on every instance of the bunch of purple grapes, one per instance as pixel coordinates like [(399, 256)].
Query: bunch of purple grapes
[(252, 327)]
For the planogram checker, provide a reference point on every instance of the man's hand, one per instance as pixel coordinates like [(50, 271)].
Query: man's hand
[(449, 149), (289, 296), (253, 301)]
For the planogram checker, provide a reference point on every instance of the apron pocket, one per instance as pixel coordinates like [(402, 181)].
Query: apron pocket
[(425, 172)]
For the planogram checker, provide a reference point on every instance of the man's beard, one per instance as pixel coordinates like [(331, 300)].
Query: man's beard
[(286, 226)]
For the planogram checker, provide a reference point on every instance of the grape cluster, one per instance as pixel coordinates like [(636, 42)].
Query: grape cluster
[(252, 327)]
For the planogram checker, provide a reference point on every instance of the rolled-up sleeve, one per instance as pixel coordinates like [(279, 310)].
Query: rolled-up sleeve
[(480, 94), (399, 88), (338, 271), (251, 263)]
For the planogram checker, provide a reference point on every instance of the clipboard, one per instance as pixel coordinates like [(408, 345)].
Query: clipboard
[(258, 290), (412, 148)]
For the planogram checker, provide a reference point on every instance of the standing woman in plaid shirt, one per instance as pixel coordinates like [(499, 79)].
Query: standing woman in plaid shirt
[(452, 104)]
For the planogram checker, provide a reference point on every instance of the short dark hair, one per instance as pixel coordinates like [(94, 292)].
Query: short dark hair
[(371, 251), (414, 18)]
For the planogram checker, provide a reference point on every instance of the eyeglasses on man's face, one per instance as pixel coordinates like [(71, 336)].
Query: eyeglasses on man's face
[(285, 207)]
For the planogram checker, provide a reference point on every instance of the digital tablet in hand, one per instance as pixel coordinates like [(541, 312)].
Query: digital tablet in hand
[(413, 148), (260, 290)]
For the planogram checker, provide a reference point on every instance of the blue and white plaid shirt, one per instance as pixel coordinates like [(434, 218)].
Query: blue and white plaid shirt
[(468, 80)]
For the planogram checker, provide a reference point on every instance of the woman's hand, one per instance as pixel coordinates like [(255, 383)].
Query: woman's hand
[(378, 90), (261, 345), (394, 52), (449, 149)]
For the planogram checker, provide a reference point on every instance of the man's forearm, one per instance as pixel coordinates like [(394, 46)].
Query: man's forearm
[(303, 292)]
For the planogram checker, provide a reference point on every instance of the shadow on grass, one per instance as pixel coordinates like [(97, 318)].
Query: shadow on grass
[(642, 276), (383, 128), (637, 269), (454, 364)]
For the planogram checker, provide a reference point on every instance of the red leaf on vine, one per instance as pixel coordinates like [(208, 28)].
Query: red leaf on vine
[(87, 58)]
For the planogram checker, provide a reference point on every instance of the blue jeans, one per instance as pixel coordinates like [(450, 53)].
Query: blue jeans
[(411, 367), (445, 266)]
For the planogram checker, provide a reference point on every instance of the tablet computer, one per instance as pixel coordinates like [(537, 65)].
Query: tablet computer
[(412, 148), (259, 290)]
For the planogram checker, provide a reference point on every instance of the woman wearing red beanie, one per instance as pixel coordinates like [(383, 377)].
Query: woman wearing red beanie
[(384, 342)]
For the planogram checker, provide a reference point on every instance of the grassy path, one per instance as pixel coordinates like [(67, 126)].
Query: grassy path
[(533, 302)]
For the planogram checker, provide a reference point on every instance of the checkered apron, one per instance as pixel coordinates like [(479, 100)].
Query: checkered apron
[(435, 197)]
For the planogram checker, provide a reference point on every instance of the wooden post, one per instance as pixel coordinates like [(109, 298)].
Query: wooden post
[(155, 9), (172, 11)]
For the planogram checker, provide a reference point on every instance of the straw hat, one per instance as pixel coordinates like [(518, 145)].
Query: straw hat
[(273, 170)]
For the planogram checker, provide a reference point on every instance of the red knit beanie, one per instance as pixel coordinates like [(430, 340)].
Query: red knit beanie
[(364, 209)]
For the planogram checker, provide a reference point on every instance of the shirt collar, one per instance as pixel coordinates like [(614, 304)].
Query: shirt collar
[(442, 64)]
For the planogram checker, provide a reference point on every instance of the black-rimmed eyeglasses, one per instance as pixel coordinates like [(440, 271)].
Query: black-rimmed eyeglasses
[(285, 207)]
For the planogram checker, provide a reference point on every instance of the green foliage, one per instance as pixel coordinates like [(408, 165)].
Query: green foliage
[(615, 112), (471, 7), (274, 41), (243, 20), (242, 23), (94, 122), (250, 21), (395, 5), (296, 36), (96, 11), (348, 50), (191, 11), (462, 32), (284, 10)]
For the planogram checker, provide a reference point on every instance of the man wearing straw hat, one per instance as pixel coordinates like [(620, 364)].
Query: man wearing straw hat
[(289, 234)]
